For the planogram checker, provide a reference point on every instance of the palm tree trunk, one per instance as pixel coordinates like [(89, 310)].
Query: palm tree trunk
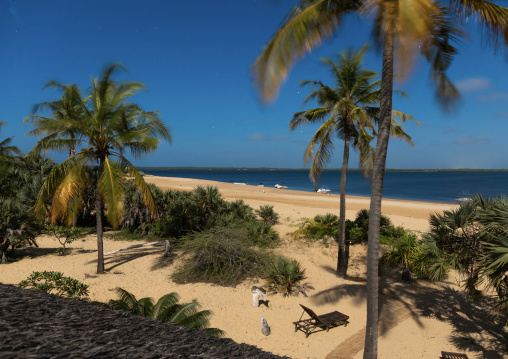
[(98, 216), (342, 260), (371, 334)]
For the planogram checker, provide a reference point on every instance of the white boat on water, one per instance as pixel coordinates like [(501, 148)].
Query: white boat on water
[(281, 186), (324, 189), (464, 198), (242, 183)]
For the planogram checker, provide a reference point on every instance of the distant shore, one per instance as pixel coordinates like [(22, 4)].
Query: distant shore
[(329, 169)]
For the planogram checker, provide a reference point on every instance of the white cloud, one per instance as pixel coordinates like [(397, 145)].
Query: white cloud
[(496, 96), (473, 84), (471, 140)]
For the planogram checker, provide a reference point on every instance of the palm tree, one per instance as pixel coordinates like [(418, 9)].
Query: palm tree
[(67, 115), (167, 309), (110, 125), (347, 111), (6, 150), (430, 24)]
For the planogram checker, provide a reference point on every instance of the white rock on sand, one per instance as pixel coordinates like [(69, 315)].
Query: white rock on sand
[(406, 333)]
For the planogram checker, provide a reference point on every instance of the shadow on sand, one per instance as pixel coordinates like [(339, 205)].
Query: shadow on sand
[(476, 328)]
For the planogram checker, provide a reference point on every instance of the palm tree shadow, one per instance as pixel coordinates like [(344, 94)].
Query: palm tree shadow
[(163, 262), (118, 259), (476, 328)]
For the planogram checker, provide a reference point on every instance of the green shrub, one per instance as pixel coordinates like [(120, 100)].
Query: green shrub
[(318, 227), (221, 255), (167, 309), (55, 283), (268, 215), (64, 235), (412, 254), (283, 275), (262, 234)]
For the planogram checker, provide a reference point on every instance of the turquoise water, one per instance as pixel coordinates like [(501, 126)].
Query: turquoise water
[(440, 186)]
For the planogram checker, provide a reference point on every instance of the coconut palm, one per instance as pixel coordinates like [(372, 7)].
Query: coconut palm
[(167, 309), (348, 111), (67, 114), (427, 25), (110, 125), (6, 150)]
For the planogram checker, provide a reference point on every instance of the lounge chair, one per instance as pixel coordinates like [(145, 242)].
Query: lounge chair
[(450, 355), (316, 322)]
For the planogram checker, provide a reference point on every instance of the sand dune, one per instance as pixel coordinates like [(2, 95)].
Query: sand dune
[(418, 320)]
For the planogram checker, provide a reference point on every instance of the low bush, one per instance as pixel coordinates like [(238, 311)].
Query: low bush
[(262, 234), (284, 275), (318, 227), (55, 283), (63, 235), (268, 215), (222, 255), (410, 253), (167, 309)]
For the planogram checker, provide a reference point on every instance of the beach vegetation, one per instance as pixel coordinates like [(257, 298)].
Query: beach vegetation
[(284, 275), (221, 255), (318, 227), (262, 234), (473, 239), (64, 235), (108, 126), (55, 283), (166, 309), (267, 214), (397, 28)]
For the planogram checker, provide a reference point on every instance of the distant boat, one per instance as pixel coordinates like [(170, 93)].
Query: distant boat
[(324, 189), (281, 186), (464, 198), (242, 183), (261, 185)]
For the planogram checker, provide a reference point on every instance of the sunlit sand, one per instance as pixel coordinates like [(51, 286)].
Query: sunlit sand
[(418, 319)]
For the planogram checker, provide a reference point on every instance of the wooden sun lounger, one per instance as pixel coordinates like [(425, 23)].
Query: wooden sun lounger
[(316, 322), (450, 355)]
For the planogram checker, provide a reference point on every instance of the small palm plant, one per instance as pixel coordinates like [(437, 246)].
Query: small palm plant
[(318, 227), (268, 215), (167, 309), (284, 275)]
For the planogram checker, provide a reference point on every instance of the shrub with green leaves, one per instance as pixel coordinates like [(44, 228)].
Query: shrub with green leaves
[(268, 215), (318, 227), (262, 234), (55, 283), (64, 235), (167, 309), (284, 275), (221, 255), (412, 254)]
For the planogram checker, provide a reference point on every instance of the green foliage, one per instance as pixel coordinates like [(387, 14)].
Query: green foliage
[(357, 231), (262, 234), (18, 226), (283, 275), (318, 227), (137, 217), (408, 252), (221, 255), (55, 283), (64, 235), (167, 309), (268, 215)]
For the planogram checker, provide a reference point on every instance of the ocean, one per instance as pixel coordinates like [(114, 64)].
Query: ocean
[(431, 186)]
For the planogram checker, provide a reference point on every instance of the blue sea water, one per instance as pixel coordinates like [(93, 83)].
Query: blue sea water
[(431, 186)]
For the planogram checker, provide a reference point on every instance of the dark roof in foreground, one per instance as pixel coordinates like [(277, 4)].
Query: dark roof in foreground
[(38, 325)]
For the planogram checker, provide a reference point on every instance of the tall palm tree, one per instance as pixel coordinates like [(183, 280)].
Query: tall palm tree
[(167, 309), (430, 24), (67, 114), (348, 111), (110, 125)]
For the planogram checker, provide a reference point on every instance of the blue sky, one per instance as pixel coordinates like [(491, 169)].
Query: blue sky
[(194, 57)]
